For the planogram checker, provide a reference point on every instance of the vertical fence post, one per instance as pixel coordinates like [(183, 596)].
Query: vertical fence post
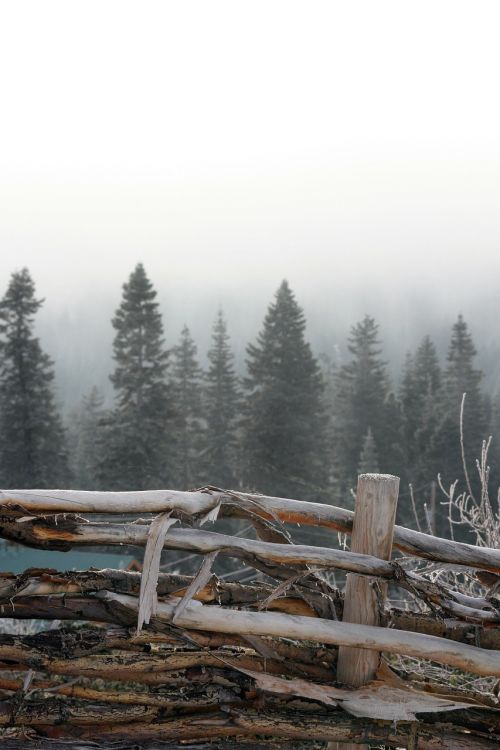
[(372, 532)]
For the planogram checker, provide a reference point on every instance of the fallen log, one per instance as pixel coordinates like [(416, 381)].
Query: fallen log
[(39, 597), (44, 535), (449, 732), (144, 668), (197, 616), (10, 742), (171, 701), (44, 582), (71, 643)]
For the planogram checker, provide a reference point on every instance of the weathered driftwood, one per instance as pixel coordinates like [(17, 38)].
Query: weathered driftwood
[(201, 617), (201, 502)]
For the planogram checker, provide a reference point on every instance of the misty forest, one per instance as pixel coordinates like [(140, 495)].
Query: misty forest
[(249, 375), (295, 423)]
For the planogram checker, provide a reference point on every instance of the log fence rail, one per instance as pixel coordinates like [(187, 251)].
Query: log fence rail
[(130, 659)]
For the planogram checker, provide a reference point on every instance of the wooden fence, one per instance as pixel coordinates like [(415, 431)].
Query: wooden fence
[(148, 659)]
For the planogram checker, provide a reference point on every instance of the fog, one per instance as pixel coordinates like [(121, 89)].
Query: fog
[(353, 149)]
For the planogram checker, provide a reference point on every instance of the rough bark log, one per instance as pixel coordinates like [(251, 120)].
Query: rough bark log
[(49, 582), (449, 628), (444, 734), (39, 743), (148, 669)]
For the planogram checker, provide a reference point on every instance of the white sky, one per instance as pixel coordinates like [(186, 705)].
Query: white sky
[(353, 147)]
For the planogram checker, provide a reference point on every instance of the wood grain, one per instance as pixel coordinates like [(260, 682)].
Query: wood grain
[(372, 533)]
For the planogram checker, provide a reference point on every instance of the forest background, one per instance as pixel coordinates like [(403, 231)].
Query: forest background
[(350, 149), (292, 422)]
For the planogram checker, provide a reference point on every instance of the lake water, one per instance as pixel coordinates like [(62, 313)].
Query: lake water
[(15, 558)]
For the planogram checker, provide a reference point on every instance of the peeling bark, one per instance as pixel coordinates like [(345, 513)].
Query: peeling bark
[(288, 511)]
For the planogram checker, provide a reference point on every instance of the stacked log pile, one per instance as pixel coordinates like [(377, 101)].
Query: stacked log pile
[(150, 660)]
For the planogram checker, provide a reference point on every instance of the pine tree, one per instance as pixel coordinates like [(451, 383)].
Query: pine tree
[(391, 438), (460, 377), (284, 423), (359, 403), (494, 431), (419, 397), (368, 459), (222, 404), (85, 440), (135, 433), (189, 427), (32, 438)]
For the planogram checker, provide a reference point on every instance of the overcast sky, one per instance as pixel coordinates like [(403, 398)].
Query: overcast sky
[(353, 147)]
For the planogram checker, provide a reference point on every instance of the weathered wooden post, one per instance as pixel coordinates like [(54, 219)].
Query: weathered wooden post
[(373, 528)]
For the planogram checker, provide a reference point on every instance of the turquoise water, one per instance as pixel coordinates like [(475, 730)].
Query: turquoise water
[(14, 559)]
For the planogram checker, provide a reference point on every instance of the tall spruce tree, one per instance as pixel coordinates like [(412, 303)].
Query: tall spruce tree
[(189, 426), (359, 403), (419, 395), (391, 438), (84, 432), (222, 405), (460, 377), (32, 438), (284, 422), (135, 434), (494, 431), (368, 459)]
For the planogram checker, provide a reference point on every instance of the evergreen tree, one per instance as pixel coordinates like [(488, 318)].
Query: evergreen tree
[(494, 431), (368, 459), (85, 441), (136, 452), (329, 364), (284, 422), (391, 438), (189, 427), (460, 377), (222, 403), (32, 438), (419, 397), (359, 403)]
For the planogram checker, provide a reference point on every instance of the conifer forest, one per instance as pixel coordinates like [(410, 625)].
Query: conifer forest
[(293, 424), (249, 375)]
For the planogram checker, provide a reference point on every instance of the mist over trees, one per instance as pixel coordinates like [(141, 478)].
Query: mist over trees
[(222, 410), (296, 424), (32, 444), (135, 445), (284, 451)]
